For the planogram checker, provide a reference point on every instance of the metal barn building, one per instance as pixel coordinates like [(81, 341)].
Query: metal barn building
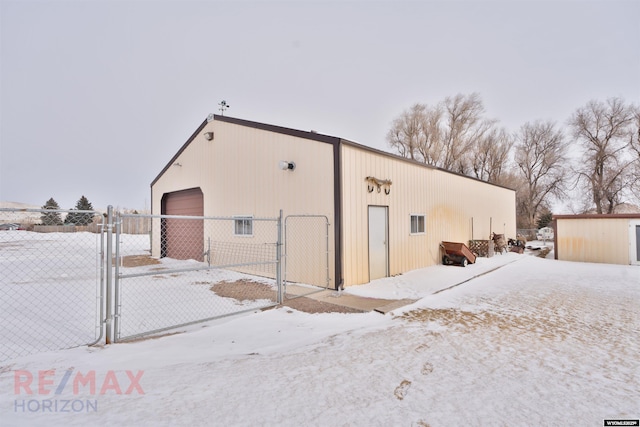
[(611, 239), (387, 214)]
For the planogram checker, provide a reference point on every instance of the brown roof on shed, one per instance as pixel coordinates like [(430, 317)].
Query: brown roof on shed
[(598, 216)]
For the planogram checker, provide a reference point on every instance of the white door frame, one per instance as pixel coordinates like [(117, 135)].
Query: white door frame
[(634, 242), (378, 217)]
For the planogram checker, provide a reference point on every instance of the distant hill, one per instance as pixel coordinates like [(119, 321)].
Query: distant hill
[(17, 205), (19, 217)]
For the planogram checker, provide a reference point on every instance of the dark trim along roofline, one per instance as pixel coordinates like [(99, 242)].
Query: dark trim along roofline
[(184, 147), (279, 129), (315, 137), (599, 216)]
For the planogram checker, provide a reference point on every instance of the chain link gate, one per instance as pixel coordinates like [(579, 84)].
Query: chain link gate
[(51, 280), (306, 258), (66, 283), (190, 269)]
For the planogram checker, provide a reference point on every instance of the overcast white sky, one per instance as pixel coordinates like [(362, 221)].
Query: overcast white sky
[(97, 96)]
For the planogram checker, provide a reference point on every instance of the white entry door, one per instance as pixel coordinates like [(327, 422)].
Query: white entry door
[(634, 242), (378, 242)]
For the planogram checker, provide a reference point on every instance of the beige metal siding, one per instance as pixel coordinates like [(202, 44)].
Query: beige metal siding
[(238, 172), (453, 205), (602, 240)]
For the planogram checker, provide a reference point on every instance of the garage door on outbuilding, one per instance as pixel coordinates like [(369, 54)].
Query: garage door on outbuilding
[(183, 238)]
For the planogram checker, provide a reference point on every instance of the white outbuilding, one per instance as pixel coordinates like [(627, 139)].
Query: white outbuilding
[(609, 238)]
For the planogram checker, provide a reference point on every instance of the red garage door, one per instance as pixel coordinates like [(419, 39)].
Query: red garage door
[(183, 238)]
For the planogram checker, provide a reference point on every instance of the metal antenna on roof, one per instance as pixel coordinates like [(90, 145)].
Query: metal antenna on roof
[(223, 106)]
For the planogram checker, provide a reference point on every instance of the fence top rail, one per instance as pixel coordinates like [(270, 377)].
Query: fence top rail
[(193, 217), (308, 216)]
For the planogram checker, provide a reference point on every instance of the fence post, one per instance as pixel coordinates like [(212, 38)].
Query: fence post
[(116, 279), (280, 298), (327, 251), (109, 254)]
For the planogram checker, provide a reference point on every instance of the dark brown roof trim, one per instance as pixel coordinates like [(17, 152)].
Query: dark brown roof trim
[(315, 137), (184, 146), (279, 129), (599, 216)]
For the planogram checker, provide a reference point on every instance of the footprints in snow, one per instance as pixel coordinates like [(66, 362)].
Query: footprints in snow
[(427, 368), (401, 391)]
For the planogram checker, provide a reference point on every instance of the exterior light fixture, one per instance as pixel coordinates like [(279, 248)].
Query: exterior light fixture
[(286, 165), (208, 136)]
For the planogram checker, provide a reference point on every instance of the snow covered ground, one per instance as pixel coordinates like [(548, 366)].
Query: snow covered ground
[(50, 291), (533, 342)]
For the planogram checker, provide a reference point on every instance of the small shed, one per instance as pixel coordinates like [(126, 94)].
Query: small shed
[(611, 239), (387, 214)]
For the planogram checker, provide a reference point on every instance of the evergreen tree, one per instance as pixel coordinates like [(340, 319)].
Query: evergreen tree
[(80, 218), (51, 218), (544, 220)]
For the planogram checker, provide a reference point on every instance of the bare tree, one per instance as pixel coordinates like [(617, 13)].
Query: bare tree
[(540, 156), (463, 127), (635, 147), (431, 148), (489, 157), (605, 132), (416, 134), (405, 132), (448, 135)]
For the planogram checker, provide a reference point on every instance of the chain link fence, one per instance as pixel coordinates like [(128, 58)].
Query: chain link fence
[(191, 269), (51, 280), (70, 278)]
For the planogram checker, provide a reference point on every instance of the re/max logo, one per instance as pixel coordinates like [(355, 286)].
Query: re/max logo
[(44, 382)]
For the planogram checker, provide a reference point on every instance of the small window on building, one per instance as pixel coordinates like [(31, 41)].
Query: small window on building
[(243, 225), (417, 224)]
